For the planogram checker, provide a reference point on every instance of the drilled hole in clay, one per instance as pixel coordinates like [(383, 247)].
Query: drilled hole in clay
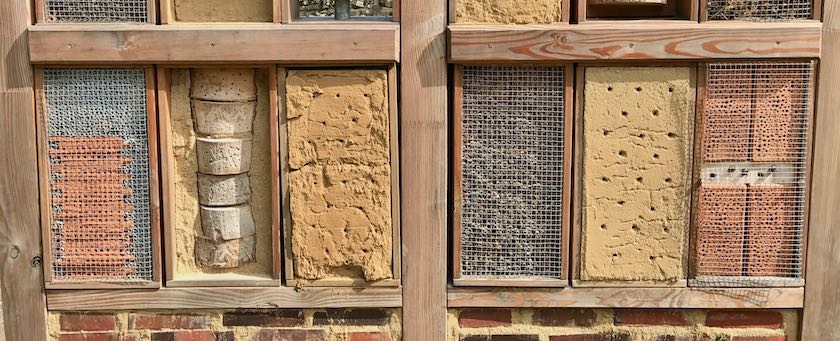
[(666, 230), (655, 113), (668, 180), (635, 227), (672, 135), (624, 113), (615, 255), (609, 88), (671, 90), (605, 179), (652, 257), (639, 179), (622, 153), (653, 209), (638, 88), (366, 95), (641, 136), (655, 156), (606, 132), (621, 202), (603, 226)]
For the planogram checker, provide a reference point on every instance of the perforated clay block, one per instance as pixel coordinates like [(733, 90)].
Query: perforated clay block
[(773, 234), (727, 114), (778, 126), (721, 229), (636, 164)]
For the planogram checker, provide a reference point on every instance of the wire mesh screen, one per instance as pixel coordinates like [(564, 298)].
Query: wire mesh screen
[(98, 159), (760, 10), (751, 202), (96, 11), (512, 172), (364, 8)]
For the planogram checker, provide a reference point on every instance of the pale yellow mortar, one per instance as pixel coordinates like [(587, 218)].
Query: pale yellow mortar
[(508, 11), (223, 10)]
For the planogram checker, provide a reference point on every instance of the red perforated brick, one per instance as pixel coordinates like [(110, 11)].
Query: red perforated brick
[(744, 319), (772, 233), (480, 318), (778, 124), (87, 322), (168, 321), (721, 224), (727, 112), (564, 317), (653, 317)]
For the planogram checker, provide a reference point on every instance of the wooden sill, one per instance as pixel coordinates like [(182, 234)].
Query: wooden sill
[(217, 43), (633, 41)]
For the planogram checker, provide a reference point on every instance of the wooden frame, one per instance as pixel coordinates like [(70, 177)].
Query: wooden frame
[(168, 166), (154, 189), (704, 13), (684, 10), (290, 13), (565, 11), (396, 256), (40, 9), (693, 280), (568, 117), (577, 226)]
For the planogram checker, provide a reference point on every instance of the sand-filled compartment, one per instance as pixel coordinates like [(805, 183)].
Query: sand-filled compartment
[(637, 138), (187, 217), (508, 11), (223, 10), (339, 174)]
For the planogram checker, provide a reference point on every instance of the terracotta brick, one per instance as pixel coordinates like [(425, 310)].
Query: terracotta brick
[(564, 317), (721, 220), (352, 317), (744, 319), (760, 338), (772, 229), (500, 338), (481, 318), (727, 108), (368, 336), (87, 322), (290, 335), (591, 337), (193, 335), (652, 317), (263, 318), (95, 337), (168, 321)]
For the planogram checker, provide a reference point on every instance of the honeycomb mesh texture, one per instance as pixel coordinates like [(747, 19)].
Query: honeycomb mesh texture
[(326, 8), (99, 175), (760, 10), (96, 11), (512, 172), (751, 202)]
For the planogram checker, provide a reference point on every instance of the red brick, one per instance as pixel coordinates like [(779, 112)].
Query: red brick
[(193, 335), (591, 337), (500, 338), (744, 319), (263, 318), (481, 318), (290, 335), (651, 317), (95, 337), (87, 322), (760, 338), (168, 321), (368, 336), (564, 317)]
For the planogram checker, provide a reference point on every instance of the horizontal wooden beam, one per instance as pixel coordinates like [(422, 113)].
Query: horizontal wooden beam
[(633, 41), (684, 298), (223, 298), (247, 43)]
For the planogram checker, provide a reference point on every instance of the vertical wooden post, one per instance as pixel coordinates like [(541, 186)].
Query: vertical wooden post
[(24, 307), (423, 149), (822, 294)]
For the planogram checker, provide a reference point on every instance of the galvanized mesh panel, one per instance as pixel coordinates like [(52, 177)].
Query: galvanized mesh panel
[(365, 8), (99, 174), (96, 11), (751, 202), (512, 172), (760, 10)]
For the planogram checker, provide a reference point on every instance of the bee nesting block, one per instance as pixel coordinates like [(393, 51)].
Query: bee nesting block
[(773, 239), (225, 254), (223, 85), (721, 229), (223, 190), (223, 156), (227, 223), (218, 118)]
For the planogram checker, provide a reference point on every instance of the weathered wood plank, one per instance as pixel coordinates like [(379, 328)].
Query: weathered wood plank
[(423, 149), (684, 298), (633, 41), (127, 44), (21, 275), (822, 295), (223, 298)]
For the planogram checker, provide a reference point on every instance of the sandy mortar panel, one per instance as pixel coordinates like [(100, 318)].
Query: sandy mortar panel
[(508, 11), (229, 325), (223, 10), (637, 142), (187, 215), (339, 173), (491, 324)]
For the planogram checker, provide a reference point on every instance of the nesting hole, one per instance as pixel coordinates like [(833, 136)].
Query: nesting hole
[(639, 179), (672, 135), (621, 203), (655, 113), (655, 156), (622, 153), (669, 180), (624, 113), (638, 89), (603, 226), (605, 179)]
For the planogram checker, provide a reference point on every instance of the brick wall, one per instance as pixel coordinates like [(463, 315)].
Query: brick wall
[(622, 325), (232, 325)]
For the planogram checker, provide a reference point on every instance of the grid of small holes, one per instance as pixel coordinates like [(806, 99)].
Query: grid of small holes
[(751, 202), (96, 11), (760, 10), (512, 172), (95, 103)]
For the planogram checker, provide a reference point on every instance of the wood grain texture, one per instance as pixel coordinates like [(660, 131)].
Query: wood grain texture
[(423, 149), (633, 41), (223, 298), (822, 295), (126, 44), (683, 298), (21, 276)]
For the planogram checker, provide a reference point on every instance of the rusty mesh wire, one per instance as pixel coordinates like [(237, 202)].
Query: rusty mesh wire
[(512, 172), (760, 10), (751, 202), (96, 11), (99, 175)]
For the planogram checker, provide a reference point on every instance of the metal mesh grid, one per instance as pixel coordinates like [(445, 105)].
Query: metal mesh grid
[(96, 11), (759, 10), (751, 202), (512, 172), (326, 8), (99, 174)]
